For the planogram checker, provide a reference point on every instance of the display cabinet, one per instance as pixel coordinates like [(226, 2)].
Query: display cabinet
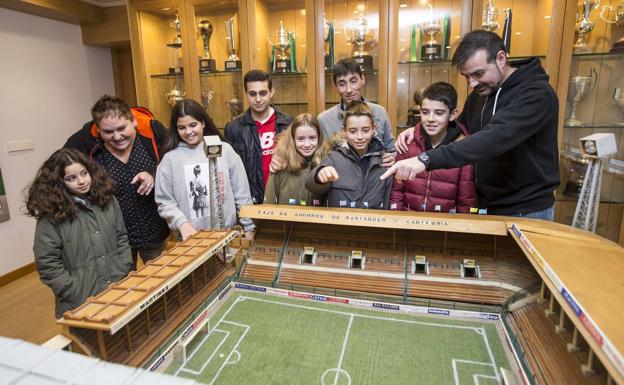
[(594, 104), (354, 29), (428, 33), (216, 61), (158, 49)]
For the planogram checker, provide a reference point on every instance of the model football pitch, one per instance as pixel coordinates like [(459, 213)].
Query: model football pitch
[(263, 339)]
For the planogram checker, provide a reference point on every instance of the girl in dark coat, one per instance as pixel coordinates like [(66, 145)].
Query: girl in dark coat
[(81, 243), (450, 190)]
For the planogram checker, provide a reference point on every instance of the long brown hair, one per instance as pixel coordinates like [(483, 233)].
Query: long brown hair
[(48, 195), (287, 150)]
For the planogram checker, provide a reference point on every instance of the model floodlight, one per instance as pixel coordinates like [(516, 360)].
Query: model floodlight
[(599, 145), (212, 146)]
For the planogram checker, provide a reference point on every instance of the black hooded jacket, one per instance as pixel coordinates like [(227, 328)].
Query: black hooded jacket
[(513, 143)]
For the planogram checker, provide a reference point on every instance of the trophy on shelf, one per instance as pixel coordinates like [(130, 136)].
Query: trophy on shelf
[(618, 98), (579, 88), (328, 33), (206, 98), (233, 62), (491, 22), (584, 25), (174, 95), (431, 50), (174, 63), (280, 41), (618, 20), (235, 105), (359, 33), (576, 167), (206, 62)]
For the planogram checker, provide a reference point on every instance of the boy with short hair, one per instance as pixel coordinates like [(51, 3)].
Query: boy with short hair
[(447, 190), (252, 134), (349, 174)]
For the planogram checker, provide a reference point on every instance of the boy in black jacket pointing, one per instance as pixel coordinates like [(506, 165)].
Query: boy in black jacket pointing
[(512, 116)]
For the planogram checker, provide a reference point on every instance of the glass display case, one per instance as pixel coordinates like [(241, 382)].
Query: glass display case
[(595, 104), (428, 33), (352, 29), (219, 63), (281, 37), (161, 55)]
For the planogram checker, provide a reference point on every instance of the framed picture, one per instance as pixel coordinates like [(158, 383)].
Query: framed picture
[(4, 209)]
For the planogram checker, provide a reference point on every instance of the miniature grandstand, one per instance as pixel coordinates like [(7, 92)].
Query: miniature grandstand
[(518, 273)]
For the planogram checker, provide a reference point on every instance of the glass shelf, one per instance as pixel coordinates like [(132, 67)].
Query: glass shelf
[(615, 55), (598, 125), (167, 76), (219, 73), (278, 74), (426, 62)]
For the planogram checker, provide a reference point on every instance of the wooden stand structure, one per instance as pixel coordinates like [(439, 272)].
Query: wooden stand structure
[(127, 322)]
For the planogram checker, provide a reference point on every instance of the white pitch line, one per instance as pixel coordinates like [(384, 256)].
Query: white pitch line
[(487, 344), (366, 316), (475, 378), (197, 373), (242, 337), (344, 347), (454, 365)]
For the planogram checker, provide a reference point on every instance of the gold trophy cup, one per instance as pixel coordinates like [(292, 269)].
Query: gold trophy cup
[(618, 20), (206, 62), (431, 50)]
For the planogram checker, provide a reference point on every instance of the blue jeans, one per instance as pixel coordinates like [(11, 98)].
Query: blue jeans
[(546, 214)]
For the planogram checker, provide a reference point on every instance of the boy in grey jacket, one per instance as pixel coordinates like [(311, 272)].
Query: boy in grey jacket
[(349, 175)]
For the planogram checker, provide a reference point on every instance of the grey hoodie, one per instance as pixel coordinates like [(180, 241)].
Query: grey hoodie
[(331, 123), (174, 179)]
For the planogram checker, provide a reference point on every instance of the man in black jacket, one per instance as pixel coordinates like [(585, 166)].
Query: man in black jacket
[(253, 134), (512, 116), (128, 143)]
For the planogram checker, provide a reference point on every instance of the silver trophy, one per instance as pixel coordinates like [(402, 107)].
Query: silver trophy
[(235, 105), (206, 62), (492, 18), (174, 95), (584, 25), (175, 60), (618, 20), (576, 167), (280, 40), (360, 34), (579, 88), (206, 98), (431, 50), (233, 62)]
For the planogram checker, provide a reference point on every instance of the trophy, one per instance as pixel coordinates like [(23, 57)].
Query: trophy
[(328, 32), (618, 20), (576, 167), (280, 40), (618, 98), (175, 45), (431, 50), (233, 62), (206, 62), (235, 105), (206, 98), (585, 26), (491, 17), (360, 34), (174, 95), (579, 88)]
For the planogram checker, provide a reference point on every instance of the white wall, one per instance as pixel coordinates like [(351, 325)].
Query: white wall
[(48, 82)]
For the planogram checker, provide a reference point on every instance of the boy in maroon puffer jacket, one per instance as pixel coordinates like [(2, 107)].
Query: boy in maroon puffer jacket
[(438, 190)]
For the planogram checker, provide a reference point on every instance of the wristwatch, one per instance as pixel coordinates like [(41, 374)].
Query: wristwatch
[(424, 159)]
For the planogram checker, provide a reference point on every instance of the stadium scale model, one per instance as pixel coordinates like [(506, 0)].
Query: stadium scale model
[(369, 297)]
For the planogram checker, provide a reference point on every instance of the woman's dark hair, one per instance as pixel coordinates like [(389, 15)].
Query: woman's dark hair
[(189, 107), (48, 195)]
